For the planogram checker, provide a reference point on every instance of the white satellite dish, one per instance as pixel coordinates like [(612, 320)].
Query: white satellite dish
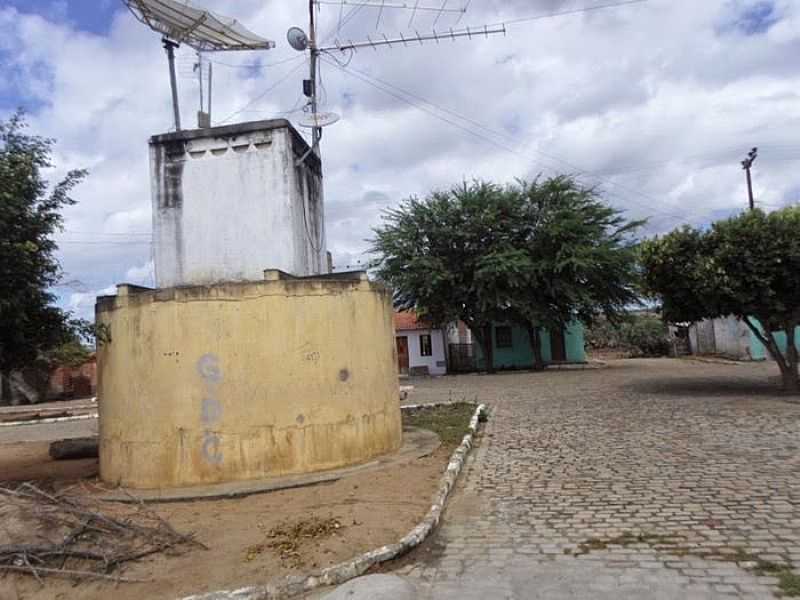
[(297, 39), (320, 119), (201, 29), (181, 23)]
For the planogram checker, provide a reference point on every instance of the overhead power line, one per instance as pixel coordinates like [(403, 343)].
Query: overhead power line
[(386, 87), (262, 95), (574, 11), (254, 66)]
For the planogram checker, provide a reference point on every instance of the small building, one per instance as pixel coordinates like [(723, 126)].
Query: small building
[(79, 381), (731, 338), (420, 347), (511, 349), (229, 202)]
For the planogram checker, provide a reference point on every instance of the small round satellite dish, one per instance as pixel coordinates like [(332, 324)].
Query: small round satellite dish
[(297, 38), (320, 119)]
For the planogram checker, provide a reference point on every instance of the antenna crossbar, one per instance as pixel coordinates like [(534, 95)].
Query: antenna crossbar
[(437, 36), (399, 5)]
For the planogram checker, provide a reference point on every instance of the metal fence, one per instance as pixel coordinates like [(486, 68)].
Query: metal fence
[(463, 358)]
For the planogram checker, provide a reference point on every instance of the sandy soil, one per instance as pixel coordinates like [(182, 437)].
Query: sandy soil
[(372, 508), (28, 461)]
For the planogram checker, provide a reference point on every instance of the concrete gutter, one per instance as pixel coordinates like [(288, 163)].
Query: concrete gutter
[(291, 586), (45, 421)]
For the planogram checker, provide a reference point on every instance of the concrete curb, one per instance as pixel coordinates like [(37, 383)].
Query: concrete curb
[(291, 586), (46, 420)]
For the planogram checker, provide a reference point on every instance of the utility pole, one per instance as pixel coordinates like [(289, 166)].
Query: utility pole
[(312, 45), (170, 46), (747, 163)]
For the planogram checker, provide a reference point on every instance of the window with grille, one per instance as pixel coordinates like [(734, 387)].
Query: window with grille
[(425, 346), (502, 336)]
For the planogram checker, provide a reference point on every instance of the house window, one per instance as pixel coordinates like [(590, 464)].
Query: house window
[(502, 335), (425, 347)]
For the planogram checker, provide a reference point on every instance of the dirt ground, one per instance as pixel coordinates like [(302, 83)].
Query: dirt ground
[(363, 511), (31, 461)]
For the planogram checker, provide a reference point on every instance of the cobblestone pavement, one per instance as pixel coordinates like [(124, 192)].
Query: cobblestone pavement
[(647, 479)]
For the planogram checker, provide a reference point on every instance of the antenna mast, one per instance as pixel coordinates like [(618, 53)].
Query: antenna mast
[(312, 45), (301, 42), (179, 22)]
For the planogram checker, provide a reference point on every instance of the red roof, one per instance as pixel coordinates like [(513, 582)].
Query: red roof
[(403, 321)]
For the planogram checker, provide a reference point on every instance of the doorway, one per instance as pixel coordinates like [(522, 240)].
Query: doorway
[(558, 346), (402, 354)]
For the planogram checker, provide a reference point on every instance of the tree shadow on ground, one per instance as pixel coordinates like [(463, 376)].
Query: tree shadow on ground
[(735, 388)]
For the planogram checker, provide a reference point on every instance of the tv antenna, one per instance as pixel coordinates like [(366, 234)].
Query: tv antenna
[(300, 41), (181, 23)]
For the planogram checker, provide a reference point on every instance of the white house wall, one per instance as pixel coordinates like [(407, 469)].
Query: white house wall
[(436, 363)]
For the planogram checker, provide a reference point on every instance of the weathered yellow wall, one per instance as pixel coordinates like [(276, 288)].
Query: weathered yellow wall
[(244, 381)]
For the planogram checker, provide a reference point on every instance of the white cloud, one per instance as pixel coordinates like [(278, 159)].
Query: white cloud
[(655, 103)]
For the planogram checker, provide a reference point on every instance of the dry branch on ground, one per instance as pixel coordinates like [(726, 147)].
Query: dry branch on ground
[(56, 534)]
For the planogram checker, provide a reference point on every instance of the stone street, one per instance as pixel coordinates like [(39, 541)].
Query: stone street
[(645, 479)]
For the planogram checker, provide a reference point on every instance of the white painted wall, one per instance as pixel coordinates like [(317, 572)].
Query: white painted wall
[(230, 202), (436, 362), (454, 336), (728, 336)]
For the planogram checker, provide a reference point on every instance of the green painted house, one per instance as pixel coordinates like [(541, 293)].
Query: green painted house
[(512, 348), (759, 352)]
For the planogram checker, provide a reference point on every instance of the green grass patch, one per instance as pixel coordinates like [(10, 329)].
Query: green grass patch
[(450, 422), (788, 582), (626, 539)]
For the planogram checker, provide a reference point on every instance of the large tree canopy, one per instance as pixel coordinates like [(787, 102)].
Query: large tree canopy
[(30, 324), (746, 266), (541, 254)]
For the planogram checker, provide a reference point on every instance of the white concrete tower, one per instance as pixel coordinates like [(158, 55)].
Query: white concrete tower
[(230, 202)]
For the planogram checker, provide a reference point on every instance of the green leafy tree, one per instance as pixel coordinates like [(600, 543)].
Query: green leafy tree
[(573, 257), (746, 266), (30, 324), (540, 254), (431, 252)]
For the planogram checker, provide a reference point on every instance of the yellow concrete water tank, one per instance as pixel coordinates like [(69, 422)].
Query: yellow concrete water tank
[(238, 381)]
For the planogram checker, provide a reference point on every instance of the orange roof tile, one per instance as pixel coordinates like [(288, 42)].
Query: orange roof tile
[(405, 320)]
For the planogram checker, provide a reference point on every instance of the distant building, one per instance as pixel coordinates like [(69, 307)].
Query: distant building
[(511, 348), (42, 382), (423, 350), (74, 382), (730, 337), (420, 347)]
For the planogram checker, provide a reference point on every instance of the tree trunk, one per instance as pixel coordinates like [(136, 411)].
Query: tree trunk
[(791, 380), (535, 337), (788, 368), (5, 388), (74, 449)]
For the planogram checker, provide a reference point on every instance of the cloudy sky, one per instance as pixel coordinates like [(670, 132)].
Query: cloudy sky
[(655, 102)]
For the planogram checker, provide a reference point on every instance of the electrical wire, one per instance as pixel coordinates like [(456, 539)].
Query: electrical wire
[(348, 17), (490, 131), (122, 233), (563, 13), (262, 95), (439, 14), (582, 173), (463, 12), (256, 66)]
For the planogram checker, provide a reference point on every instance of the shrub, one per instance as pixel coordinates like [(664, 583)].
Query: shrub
[(637, 335)]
